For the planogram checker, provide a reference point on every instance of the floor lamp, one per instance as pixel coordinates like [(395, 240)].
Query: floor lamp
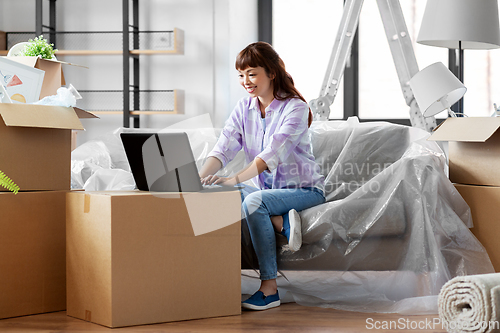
[(460, 24)]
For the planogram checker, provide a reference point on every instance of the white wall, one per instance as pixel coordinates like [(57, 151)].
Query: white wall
[(214, 32)]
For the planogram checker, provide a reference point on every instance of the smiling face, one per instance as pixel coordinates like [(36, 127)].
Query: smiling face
[(257, 83)]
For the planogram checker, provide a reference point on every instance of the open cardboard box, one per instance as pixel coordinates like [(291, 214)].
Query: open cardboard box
[(33, 248), (474, 149), (35, 144), (133, 258), (54, 77)]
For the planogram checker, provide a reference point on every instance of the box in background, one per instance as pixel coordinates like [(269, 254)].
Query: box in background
[(474, 149), (33, 248), (484, 203), (132, 259), (35, 144)]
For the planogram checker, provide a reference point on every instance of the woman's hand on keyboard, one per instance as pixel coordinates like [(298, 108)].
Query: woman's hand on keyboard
[(210, 179), (224, 181)]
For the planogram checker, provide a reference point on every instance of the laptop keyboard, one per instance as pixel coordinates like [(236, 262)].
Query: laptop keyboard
[(206, 186), (222, 188)]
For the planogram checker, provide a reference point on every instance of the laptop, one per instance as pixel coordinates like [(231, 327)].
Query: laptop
[(164, 162)]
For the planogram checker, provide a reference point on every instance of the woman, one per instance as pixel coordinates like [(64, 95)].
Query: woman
[(271, 125)]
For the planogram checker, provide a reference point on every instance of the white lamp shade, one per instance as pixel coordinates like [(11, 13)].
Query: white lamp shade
[(473, 22), (436, 88)]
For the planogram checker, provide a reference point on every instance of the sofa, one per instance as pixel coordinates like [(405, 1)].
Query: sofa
[(393, 229)]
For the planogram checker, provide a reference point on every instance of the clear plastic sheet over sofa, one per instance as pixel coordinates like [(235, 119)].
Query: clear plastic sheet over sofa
[(393, 229)]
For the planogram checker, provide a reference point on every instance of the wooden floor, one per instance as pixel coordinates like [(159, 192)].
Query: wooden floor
[(288, 317)]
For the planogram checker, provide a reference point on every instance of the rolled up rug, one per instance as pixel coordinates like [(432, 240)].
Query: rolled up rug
[(471, 304)]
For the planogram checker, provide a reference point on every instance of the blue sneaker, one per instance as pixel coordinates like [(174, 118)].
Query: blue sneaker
[(259, 301), (292, 230)]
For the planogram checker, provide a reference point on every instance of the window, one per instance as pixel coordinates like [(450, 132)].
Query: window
[(483, 86), (304, 32), (380, 94)]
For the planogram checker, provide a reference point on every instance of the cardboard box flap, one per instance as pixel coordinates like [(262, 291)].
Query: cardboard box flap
[(31, 61), (29, 115), (67, 63), (466, 129), (84, 114)]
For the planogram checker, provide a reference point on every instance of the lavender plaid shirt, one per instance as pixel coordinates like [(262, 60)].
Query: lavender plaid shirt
[(286, 148)]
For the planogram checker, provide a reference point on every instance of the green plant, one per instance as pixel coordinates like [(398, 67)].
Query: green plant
[(39, 47), (8, 183)]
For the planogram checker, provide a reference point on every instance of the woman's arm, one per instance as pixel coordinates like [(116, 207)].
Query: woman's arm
[(211, 166), (228, 145), (253, 169)]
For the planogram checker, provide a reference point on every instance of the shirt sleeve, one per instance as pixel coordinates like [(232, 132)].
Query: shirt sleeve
[(230, 139), (286, 138)]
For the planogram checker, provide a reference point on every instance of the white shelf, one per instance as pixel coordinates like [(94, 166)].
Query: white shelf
[(177, 49)]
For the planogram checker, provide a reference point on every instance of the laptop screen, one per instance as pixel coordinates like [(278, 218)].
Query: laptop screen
[(162, 162)]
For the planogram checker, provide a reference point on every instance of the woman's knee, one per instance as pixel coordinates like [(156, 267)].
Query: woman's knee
[(253, 202)]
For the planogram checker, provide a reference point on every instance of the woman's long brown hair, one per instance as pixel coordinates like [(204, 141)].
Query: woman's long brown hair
[(262, 54)]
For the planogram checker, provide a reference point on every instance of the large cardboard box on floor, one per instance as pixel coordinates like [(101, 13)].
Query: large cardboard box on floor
[(35, 144), (474, 149), (133, 258), (33, 253), (484, 203)]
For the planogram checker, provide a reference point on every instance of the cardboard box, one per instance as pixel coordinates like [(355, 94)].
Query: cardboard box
[(133, 259), (54, 77), (484, 203), (35, 145), (33, 257), (474, 149)]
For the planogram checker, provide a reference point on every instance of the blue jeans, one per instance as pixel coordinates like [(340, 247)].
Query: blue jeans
[(257, 208)]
